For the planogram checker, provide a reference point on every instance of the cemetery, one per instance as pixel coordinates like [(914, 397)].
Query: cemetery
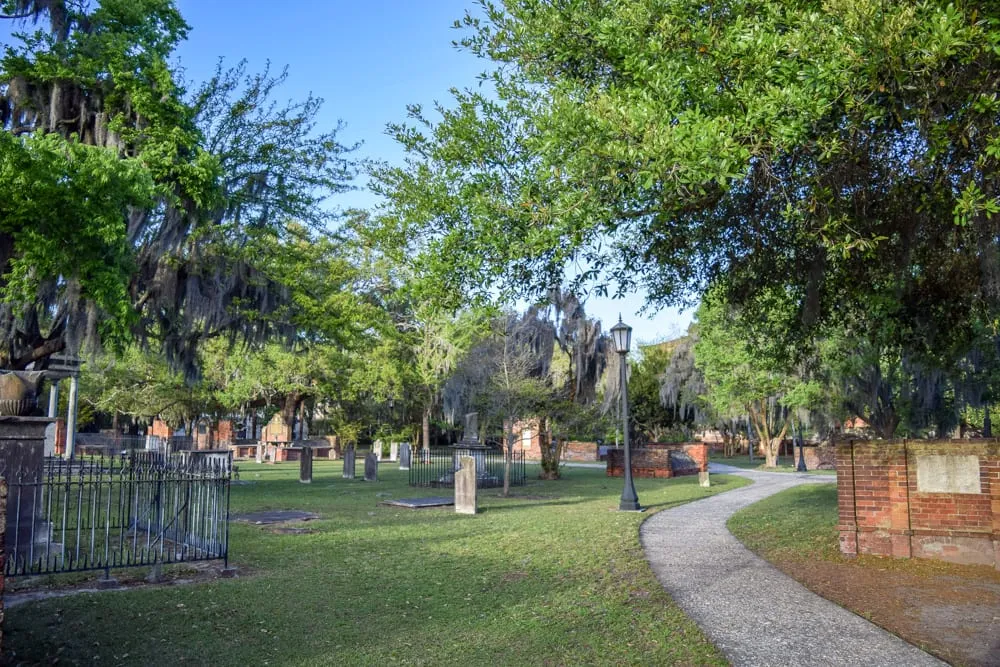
[(560, 333)]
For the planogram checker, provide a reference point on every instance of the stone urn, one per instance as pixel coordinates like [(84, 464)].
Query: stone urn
[(19, 392)]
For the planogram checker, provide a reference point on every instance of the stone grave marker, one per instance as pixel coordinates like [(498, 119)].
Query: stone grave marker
[(306, 466), (377, 450), (260, 452), (465, 486), (405, 456), (371, 467), (349, 462), (393, 451)]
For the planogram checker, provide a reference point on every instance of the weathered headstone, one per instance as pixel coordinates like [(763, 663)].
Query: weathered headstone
[(377, 450), (260, 452), (703, 479), (371, 467), (306, 466), (465, 486), (349, 462), (405, 456), (393, 451)]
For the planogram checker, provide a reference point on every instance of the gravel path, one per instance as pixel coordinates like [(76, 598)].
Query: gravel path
[(755, 614)]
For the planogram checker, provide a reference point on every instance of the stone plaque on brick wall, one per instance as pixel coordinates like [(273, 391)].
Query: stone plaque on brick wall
[(951, 473)]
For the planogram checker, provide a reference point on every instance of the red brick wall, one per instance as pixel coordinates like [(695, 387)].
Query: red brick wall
[(883, 512), (60, 445), (579, 451), (224, 434), (160, 429), (654, 460), (3, 560)]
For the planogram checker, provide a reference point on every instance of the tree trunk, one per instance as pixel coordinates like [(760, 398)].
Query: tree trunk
[(426, 426), (508, 456), (288, 409)]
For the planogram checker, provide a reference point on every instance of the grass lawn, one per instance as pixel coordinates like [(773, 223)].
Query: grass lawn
[(785, 464), (799, 522), (551, 576)]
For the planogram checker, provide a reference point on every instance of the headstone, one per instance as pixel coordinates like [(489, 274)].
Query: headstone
[(306, 466), (405, 456), (22, 451), (349, 462), (393, 451), (260, 452), (50, 439), (703, 479), (465, 486), (471, 433), (377, 450), (371, 467)]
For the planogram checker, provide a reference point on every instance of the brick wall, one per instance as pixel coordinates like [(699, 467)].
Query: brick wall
[(818, 457), (580, 451), (160, 429), (654, 460), (3, 559), (921, 499)]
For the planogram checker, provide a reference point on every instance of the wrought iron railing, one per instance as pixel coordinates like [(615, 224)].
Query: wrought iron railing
[(436, 467), (98, 513)]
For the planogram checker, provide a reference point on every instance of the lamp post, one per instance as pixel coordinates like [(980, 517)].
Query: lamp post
[(621, 335), (802, 458)]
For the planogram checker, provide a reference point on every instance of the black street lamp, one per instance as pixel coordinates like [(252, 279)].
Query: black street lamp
[(621, 335), (802, 458)]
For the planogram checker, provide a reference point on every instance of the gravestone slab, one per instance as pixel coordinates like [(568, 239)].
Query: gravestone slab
[(405, 456), (371, 467), (306, 466), (349, 457), (465, 486), (703, 479), (377, 450), (393, 451), (260, 452), (421, 503), (274, 516)]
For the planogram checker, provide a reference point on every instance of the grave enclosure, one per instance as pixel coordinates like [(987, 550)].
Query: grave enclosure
[(661, 460), (920, 499)]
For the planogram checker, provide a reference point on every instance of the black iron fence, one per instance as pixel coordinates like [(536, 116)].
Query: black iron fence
[(436, 467), (103, 512)]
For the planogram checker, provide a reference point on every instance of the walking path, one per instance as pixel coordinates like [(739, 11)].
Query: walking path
[(755, 614)]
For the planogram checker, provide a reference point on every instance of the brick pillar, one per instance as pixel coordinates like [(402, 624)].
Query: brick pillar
[(847, 523), (992, 465), (3, 553), (899, 501)]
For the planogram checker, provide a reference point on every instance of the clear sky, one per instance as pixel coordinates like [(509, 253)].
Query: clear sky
[(367, 60)]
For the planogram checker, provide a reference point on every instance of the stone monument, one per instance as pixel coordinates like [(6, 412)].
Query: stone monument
[(371, 467), (465, 486), (405, 456), (349, 462), (393, 451), (306, 465), (22, 451), (377, 450), (469, 445)]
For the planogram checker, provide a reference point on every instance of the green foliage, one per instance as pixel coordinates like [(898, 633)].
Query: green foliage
[(651, 418), (742, 379), (820, 151)]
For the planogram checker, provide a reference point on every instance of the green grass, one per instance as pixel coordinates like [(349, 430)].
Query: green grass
[(785, 464), (550, 576), (800, 522)]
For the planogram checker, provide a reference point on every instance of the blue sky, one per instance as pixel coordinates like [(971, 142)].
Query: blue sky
[(367, 60)]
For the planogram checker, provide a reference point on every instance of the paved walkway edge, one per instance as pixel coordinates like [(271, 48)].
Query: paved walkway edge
[(754, 613)]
